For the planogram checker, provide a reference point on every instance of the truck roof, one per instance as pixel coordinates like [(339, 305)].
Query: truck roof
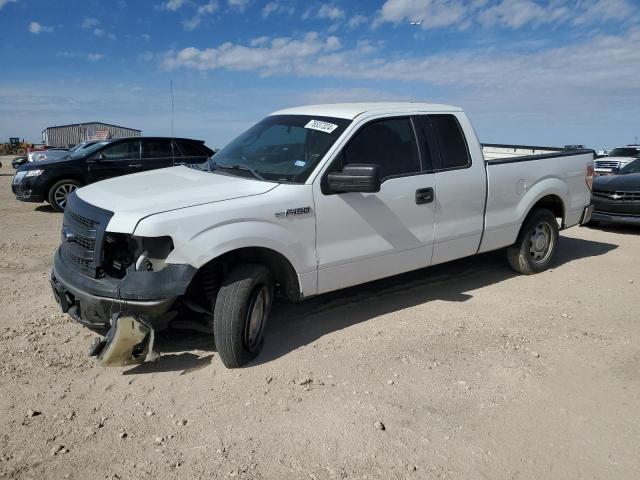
[(352, 110)]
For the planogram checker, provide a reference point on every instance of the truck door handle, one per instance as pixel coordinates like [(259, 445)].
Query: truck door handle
[(135, 165), (424, 195)]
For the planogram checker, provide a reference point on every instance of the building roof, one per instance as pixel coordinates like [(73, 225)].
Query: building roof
[(89, 123), (352, 110)]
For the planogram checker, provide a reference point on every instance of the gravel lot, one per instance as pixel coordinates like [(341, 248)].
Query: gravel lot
[(471, 371)]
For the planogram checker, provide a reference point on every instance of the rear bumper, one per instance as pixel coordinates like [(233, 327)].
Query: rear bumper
[(615, 218), (586, 215)]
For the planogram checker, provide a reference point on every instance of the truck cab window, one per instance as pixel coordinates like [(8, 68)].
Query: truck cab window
[(389, 143), (451, 141)]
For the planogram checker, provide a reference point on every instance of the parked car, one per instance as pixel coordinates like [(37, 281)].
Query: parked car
[(53, 153), (616, 198), (307, 201), (16, 162), (53, 179), (616, 159)]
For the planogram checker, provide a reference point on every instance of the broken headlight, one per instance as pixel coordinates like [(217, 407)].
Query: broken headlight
[(123, 252)]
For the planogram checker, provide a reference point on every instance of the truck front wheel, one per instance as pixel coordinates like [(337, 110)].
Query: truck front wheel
[(536, 243), (240, 312)]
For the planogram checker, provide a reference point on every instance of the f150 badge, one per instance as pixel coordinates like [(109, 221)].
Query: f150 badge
[(291, 212)]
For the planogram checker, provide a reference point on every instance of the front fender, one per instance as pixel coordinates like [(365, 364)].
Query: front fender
[(221, 239)]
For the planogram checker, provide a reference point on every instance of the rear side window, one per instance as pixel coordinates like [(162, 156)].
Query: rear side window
[(157, 148), (389, 143), (122, 151), (192, 149), (451, 141)]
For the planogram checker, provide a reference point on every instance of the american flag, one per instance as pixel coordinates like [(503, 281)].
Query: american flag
[(99, 135)]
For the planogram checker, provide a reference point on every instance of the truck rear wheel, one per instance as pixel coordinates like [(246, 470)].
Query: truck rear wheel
[(536, 243), (240, 313)]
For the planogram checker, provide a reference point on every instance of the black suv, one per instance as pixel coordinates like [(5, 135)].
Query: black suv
[(53, 180)]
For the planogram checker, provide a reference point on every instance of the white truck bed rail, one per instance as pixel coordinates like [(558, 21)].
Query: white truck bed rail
[(494, 151)]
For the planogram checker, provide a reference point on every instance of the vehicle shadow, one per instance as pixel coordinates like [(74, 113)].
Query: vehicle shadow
[(45, 208), (622, 228), (293, 325)]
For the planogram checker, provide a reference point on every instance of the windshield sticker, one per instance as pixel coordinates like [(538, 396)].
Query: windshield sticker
[(325, 127), (300, 163)]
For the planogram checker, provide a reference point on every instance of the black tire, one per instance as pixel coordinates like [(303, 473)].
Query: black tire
[(55, 196), (21, 151), (4, 151), (536, 243), (245, 288)]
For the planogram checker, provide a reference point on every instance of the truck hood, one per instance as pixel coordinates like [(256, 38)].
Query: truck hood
[(134, 197), (616, 159), (611, 183)]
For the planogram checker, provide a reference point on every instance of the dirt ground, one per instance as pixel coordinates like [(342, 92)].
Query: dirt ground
[(475, 373)]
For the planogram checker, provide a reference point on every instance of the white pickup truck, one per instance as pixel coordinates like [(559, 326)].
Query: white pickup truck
[(307, 201)]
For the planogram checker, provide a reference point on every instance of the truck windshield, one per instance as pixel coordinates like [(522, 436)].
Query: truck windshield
[(624, 152), (281, 148)]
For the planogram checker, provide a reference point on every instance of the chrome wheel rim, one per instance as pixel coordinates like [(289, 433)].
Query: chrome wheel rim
[(256, 317), (62, 193), (541, 242)]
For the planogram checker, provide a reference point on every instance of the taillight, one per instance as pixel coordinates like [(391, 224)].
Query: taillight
[(589, 176)]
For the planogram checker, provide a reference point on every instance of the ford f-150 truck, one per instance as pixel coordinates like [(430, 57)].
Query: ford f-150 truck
[(307, 201)]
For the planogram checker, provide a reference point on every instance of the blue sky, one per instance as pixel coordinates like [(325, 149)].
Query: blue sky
[(549, 72)]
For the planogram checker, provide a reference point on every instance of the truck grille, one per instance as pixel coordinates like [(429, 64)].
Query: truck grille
[(607, 164), (617, 196), (83, 231)]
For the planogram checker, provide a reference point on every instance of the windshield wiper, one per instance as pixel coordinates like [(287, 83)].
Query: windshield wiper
[(244, 168)]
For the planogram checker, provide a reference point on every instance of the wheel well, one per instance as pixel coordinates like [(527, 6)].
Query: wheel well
[(56, 180), (554, 204), (209, 277)]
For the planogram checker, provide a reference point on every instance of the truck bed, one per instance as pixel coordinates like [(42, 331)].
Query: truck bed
[(517, 177), (499, 151)]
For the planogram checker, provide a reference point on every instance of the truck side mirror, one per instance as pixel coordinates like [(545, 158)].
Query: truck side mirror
[(355, 177)]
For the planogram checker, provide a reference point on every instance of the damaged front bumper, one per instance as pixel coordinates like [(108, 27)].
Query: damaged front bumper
[(128, 311), (129, 341)]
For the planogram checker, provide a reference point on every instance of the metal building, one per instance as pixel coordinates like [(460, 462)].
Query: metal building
[(69, 135)]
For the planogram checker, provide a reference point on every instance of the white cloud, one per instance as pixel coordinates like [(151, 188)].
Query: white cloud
[(37, 28), (238, 5), (268, 56), (201, 12), (547, 69), (208, 8), (330, 12), (432, 13), (516, 13), (594, 11), (356, 21), (276, 7), (173, 5), (6, 2), (90, 22), (91, 57), (512, 14)]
